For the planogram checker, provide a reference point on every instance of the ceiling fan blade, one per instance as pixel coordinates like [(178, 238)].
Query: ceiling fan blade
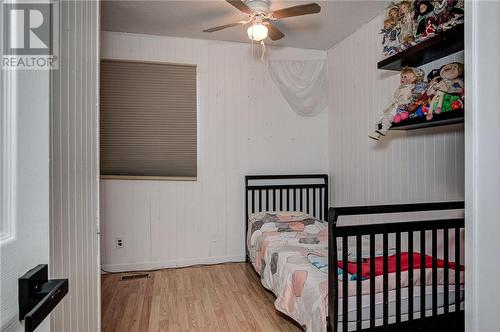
[(311, 8), (240, 5), (273, 32), (225, 26)]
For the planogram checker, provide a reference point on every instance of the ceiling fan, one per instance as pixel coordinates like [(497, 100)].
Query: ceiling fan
[(261, 18)]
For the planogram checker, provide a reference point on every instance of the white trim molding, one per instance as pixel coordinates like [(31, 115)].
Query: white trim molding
[(8, 156), (482, 159), (126, 267)]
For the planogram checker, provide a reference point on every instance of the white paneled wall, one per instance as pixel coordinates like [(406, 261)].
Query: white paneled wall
[(407, 166), (244, 127), (74, 169)]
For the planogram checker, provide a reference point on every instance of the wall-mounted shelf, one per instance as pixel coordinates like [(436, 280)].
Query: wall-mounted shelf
[(443, 119), (441, 45)]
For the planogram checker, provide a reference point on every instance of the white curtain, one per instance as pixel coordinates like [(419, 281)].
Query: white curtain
[(303, 84)]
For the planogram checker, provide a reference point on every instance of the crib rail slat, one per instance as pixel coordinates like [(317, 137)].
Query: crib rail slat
[(288, 199), (410, 276), (398, 277), (434, 273), (314, 202), (253, 201), (372, 281), (422, 274), (260, 200), (307, 201), (321, 216), (385, 279), (345, 320), (358, 282), (267, 200), (301, 192), (446, 270), (281, 199), (274, 199)]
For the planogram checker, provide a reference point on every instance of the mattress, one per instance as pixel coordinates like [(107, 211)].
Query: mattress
[(279, 247), (379, 301)]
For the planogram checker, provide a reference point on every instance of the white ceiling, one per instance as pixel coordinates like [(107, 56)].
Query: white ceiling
[(182, 18)]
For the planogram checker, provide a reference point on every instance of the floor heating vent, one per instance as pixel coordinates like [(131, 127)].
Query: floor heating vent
[(135, 276)]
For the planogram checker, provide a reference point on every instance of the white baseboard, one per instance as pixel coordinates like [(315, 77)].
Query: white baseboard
[(146, 266)]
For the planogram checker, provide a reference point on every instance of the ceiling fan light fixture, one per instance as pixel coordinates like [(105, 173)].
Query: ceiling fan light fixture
[(257, 32)]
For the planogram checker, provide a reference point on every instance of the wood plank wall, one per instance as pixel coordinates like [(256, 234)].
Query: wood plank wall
[(74, 169), (244, 127), (405, 167)]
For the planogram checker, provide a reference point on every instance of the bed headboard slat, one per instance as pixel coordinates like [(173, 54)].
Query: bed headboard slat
[(298, 192)]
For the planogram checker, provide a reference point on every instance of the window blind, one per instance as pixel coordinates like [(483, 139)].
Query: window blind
[(148, 119)]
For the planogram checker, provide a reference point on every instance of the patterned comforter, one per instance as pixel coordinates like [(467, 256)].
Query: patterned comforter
[(286, 249)]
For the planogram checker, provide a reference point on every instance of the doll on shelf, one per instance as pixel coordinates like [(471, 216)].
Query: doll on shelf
[(452, 82), (403, 95), (433, 79), (442, 10), (390, 39), (457, 17), (393, 12), (430, 28), (420, 99), (423, 10), (406, 24)]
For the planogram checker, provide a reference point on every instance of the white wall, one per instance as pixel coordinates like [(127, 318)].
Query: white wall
[(407, 166), (74, 251), (482, 165), (244, 127)]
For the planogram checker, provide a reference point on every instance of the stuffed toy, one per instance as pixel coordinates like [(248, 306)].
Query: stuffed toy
[(452, 82), (433, 79), (423, 10), (451, 103), (403, 95), (423, 94), (419, 99)]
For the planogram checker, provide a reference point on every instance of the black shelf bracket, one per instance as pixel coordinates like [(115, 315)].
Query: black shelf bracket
[(38, 296)]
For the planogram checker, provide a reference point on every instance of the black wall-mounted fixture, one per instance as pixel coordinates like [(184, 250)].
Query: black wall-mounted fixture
[(38, 296)]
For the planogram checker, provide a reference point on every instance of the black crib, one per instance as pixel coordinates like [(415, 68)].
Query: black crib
[(294, 192), (449, 317)]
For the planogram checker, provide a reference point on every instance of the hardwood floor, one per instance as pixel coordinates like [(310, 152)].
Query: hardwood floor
[(226, 297)]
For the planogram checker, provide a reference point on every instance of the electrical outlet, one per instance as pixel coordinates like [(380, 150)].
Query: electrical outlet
[(119, 242)]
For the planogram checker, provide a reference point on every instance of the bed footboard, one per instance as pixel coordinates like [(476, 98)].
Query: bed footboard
[(378, 250)]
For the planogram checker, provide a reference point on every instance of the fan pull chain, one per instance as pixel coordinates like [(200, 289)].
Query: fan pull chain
[(263, 50)]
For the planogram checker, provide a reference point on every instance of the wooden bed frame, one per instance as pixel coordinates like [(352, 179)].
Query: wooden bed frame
[(309, 193)]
